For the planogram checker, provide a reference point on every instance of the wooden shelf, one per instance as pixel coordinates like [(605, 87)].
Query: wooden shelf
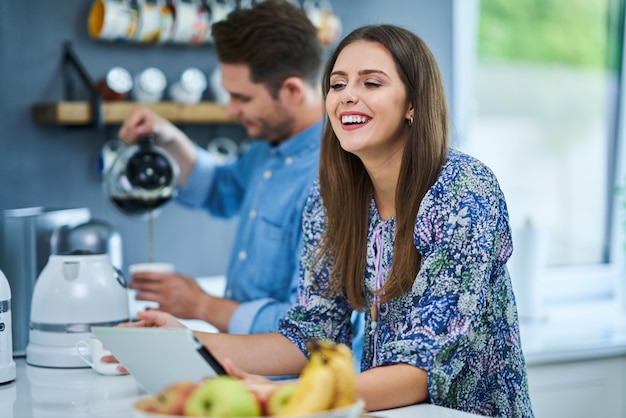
[(79, 113)]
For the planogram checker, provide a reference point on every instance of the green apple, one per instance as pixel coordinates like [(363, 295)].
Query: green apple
[(222, 396), (279, 398)]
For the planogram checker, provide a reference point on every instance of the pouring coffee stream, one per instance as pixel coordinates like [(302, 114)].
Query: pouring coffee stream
[(141, 180)]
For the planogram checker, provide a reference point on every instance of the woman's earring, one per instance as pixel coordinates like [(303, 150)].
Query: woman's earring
[(411, 121)]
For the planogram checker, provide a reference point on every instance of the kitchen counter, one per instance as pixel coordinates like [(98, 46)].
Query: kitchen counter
[(575, 333), (39, 392), (563, 334)]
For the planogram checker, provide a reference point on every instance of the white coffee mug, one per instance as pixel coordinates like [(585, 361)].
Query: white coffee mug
[(328, 24), (224, 150), (112, 19), (141, 305), (149, 85), (91, 352), (190, 87), (191, 22), (218, 11), (149, 21)]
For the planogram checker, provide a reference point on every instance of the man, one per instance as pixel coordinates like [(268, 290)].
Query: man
[(270, 58)]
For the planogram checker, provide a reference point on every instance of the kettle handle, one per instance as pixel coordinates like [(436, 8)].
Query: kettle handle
[(119, 276)]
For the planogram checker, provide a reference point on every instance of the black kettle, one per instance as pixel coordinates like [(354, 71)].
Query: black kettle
[(141, 179)]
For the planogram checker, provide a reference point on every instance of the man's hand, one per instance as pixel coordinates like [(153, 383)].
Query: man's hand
[(143, 121), (177, 294)]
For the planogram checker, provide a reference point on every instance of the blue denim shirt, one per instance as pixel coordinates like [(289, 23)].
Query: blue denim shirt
[(267, 189)]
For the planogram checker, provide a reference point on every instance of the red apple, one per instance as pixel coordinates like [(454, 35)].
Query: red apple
[(171, 400), (262, 393)]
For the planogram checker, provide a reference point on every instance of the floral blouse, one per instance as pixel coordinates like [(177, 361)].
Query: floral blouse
[(459, 321)]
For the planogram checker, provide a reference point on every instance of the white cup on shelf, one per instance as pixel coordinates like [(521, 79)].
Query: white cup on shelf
[(149, 85), (190, 87)]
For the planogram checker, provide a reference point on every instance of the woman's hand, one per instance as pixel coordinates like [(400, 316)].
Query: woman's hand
[(153, 319), (147, 319), (247, 378)]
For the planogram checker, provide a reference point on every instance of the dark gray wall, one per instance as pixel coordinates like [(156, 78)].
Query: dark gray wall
[(54, 166)]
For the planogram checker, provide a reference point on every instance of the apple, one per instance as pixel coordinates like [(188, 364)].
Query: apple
[(170, 401), (279, 398), (262, 392), (222, 396)]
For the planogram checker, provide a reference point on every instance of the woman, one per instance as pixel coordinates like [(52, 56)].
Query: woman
[(442, 318)]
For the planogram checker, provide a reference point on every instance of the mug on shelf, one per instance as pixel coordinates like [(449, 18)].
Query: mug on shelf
[(115, 85), (190, 87), (148, 21), (218, 10), (149, 85), (328, 24), (223, 149), (112, 20), (191, 22), (166, 20)]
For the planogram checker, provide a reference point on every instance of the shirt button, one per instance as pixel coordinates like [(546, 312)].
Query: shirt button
[(243, 255), (288, 160), (229, 294), (267, 174), (252, 214)]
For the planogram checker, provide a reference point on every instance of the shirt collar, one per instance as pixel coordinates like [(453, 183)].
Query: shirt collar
[(301, 143)]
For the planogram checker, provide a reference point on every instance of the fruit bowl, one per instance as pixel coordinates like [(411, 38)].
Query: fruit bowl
[(351, 411)]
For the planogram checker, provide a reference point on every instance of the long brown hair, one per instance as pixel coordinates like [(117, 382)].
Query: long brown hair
[(346, 188)]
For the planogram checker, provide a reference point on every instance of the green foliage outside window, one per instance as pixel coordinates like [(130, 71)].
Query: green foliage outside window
[(571, 32)]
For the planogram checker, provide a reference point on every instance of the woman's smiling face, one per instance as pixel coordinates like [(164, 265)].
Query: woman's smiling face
[(367, 103)]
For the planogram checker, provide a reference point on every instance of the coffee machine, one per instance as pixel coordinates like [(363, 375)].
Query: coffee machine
[(28, 237)]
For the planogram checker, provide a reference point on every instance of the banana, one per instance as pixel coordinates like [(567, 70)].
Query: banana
[(314, 391), (339, 358)]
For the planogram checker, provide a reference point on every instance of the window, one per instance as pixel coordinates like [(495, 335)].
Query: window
[(544, 116)]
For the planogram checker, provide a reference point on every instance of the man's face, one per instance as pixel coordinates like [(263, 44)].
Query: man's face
[(252, 104)]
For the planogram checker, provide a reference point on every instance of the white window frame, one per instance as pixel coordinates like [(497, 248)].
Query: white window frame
[(560, 285)]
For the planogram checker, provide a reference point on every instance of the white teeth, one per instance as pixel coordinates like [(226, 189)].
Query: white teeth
[(353, 119)]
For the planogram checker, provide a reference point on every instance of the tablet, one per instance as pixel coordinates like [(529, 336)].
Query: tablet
[(158, 357)]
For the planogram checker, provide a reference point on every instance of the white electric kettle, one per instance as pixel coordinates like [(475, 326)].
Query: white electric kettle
[(73, 293)]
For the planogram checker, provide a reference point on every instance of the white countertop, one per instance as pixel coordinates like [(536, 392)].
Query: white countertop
[(564, 334), (573, 333), (40, 392)]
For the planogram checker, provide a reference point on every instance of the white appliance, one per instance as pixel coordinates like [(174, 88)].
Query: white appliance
[(7, 365), (27, 238), (73, 293)]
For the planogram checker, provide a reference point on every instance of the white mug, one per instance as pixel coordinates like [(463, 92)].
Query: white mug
[(328, 24), (189, 88), (191, 22), (91, 352), (149, 85), (149, 21), (141, 305), (112, 19)]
